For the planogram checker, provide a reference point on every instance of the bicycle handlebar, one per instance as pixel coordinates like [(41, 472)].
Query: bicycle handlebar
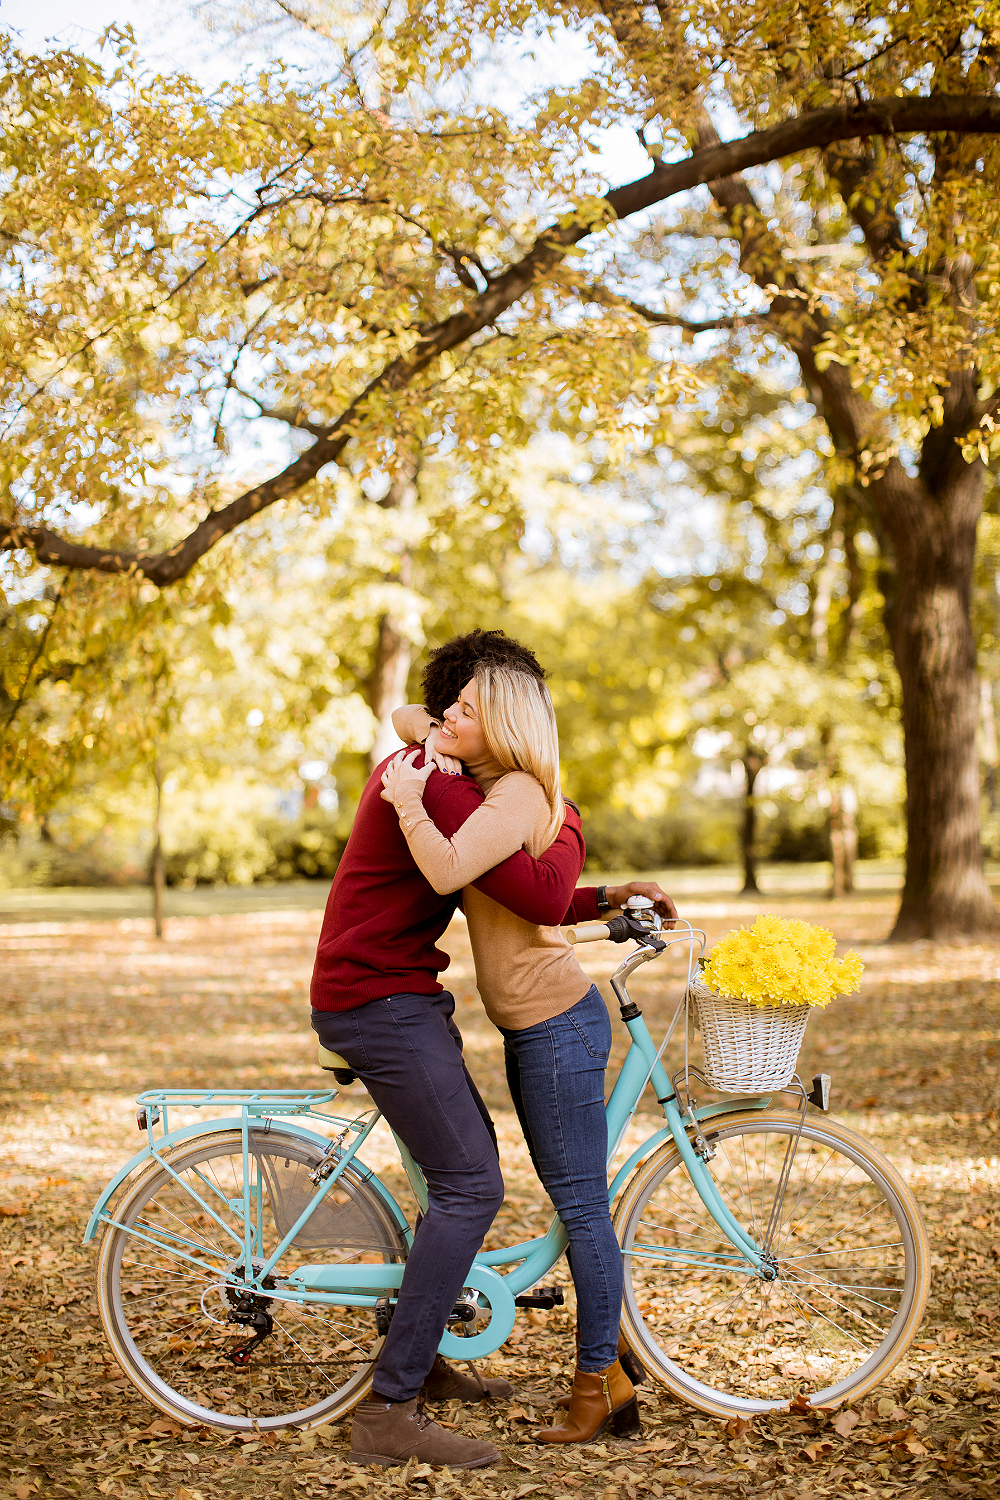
[(591, 933)]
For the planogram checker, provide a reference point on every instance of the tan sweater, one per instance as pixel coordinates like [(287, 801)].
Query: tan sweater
[(525, 974)]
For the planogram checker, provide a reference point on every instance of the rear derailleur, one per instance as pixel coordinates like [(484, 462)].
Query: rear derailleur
[(250, 1312)]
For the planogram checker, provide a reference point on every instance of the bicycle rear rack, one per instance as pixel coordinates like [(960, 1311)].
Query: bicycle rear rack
[(153, 1104)]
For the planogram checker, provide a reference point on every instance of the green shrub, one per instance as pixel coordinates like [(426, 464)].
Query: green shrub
[(271, 850), (796, 834), (37, 862), (882, 832), (705, 833), (991, 834), (311, 847)]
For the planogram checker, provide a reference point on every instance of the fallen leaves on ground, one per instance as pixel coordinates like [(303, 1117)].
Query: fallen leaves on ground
[(96, 1011)]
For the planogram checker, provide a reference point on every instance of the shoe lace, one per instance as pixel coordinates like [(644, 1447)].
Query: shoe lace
[(422, 1418)]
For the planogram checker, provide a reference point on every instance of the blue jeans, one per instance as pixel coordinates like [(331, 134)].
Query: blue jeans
[(555, 1072), (408, 1052)]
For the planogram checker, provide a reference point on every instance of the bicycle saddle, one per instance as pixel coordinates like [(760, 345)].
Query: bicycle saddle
[(332, 1062)]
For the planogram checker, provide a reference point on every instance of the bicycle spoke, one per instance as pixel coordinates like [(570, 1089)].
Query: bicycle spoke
[(861, 1250), (207, 1244), (177, 1271), (685, 1217), (304, 1355), (809, 1309), (850, 1312), (857, 1288)]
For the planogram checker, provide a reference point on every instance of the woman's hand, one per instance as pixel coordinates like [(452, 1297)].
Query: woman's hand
[(401, 773), (618, 894), (446, 763)]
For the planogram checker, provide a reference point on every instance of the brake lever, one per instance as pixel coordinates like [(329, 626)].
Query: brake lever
[(620, 929)]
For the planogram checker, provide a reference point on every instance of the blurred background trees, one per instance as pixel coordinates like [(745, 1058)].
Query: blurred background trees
[(298, 383)]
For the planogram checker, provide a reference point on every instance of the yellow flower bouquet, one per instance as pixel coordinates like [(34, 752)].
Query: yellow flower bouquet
[(781, 961), (754, 995)]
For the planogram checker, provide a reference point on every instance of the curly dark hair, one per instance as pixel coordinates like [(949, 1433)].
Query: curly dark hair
[(451, 666)]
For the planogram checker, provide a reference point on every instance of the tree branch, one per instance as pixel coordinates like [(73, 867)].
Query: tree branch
[(962, 114), (851, 170), (669, 320), (965, 114), (849, 417), (460, 259), (23, 693), (293, 416)]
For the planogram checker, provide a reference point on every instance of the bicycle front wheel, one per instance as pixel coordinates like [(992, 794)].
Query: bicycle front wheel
[(166, 1275), (841, 1295)]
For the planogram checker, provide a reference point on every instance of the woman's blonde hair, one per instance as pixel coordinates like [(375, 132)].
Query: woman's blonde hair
[(519, 727)]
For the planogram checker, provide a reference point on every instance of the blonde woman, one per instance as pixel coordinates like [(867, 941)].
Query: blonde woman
[(556, 1030)]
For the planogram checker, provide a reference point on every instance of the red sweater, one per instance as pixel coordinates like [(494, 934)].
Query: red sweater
[(383, 919)]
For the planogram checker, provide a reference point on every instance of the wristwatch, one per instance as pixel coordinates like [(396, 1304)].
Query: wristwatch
[(603, 904)]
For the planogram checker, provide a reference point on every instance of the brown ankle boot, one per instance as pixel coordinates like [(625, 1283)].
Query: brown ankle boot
[(630, 1363), (598, 1397), (390, 1432), (446, 1384)]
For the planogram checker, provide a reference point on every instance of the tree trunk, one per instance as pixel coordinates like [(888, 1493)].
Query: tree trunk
[(843, 806), (752, 765), (394, 648), (820, 627), (156, 872), (393, 656), (852, 615), (843, 840), (990, 751), (933, 537)]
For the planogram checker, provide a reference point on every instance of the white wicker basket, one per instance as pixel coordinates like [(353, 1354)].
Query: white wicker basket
[(748, 1049)]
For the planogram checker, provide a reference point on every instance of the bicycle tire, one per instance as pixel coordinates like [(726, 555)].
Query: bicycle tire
[(851, 1262), (165, 1317)]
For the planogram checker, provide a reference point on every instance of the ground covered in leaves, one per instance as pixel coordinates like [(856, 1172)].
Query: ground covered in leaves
[(95, 1011)]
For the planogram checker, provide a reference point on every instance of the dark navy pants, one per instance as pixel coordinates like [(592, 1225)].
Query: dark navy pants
[(407, 1050)]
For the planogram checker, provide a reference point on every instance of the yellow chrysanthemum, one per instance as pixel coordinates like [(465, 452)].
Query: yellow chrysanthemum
[(781, 961)]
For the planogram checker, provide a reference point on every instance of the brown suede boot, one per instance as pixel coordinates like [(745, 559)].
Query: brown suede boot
[(446, 1384), (390, 1432), (630, 1363), (598, 1398)]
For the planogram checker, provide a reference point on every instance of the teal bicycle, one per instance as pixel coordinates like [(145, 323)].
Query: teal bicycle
[(249, 1264)]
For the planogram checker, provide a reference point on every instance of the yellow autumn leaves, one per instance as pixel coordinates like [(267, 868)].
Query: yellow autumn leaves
[(781, 961)]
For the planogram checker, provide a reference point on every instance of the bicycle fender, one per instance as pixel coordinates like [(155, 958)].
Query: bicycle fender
[(707, 1112), (649, 1144), (211, 1127)]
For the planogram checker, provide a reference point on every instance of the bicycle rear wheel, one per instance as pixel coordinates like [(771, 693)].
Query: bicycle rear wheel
[(850, 1266), (164, 1299)]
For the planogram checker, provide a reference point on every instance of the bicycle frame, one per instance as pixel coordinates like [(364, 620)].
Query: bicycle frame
[(363, 1285)]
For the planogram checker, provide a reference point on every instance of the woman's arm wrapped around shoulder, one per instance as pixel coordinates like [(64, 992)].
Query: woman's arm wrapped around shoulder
[(501, 824), (415, 726)]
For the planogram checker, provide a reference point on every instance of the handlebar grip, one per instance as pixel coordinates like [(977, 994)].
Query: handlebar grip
[(593, 932)]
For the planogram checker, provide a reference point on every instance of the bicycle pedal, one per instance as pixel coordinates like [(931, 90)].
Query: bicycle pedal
[(820, 1095), (542, 1296), (383, 1316)]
